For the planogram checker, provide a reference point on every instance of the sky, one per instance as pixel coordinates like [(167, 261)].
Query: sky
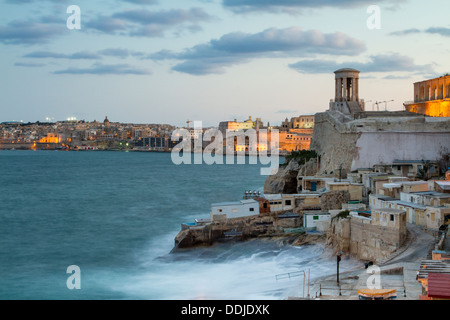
[(172, 61)]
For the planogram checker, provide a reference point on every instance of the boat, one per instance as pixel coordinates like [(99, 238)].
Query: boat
[(377, 294)]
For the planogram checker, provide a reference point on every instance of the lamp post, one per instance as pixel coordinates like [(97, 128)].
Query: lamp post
[(338, 258)]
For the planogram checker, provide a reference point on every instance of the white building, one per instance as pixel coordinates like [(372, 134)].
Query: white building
[(235, 209), (312, 219)]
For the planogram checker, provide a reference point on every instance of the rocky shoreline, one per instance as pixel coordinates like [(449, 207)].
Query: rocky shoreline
[(278, 227)]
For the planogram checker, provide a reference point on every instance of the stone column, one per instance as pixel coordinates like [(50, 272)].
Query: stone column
[(356, 89), (339, 89), (336, 96), (353, 89), (344, 89)]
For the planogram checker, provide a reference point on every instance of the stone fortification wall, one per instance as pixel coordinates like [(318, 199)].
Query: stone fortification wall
[(365, 142), (334, 142), (373, 242), (384, 147), (360, 239)]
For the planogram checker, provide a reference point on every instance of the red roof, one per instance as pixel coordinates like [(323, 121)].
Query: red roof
[(438, 285)]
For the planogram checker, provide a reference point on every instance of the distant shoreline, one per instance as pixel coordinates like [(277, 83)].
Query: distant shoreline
[(132, 150)]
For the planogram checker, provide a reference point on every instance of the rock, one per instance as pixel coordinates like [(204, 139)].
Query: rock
[(285, 181), (333, 200), (308, 169)]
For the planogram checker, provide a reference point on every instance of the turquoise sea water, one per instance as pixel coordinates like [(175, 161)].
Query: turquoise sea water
[(115, 215)]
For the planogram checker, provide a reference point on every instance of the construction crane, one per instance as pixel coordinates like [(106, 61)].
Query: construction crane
[(385, 104), (376, 103)]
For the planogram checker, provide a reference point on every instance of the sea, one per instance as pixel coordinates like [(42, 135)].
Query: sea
[(101, 226)]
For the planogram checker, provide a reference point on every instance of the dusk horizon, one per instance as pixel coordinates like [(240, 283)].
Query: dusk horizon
[(211, 61)]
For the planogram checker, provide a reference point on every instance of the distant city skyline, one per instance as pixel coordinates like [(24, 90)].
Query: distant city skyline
[(154, 61)]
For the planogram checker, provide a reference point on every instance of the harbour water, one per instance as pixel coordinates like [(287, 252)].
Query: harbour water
[(115, 215)]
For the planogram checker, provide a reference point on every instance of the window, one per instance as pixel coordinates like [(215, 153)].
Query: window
[(287, 202), (392, 217), (219, 210), (315, 217), (265, 205), (251, 209)]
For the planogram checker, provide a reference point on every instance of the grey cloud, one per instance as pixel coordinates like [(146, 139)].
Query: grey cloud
[(443, 31), (288, 5), (169, 17), (74, 56), (102, 69), (405, 32), (116, 52), (439, 30), (24, 32), (106, 24), (144, 2), (149, 23), (29, 64), (236, 48), (377, 63)]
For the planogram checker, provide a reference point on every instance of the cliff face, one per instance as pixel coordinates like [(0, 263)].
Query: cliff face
[(286, 180)]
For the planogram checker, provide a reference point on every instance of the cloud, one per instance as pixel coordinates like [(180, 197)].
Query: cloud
[(377, 63), (240, 6), (25, 32), (102, 69), (142, 2), (29, 64), (443, 31), (106, 24), (119, 53), (238, 47), (439, 30), (82, 55), (149, 23), (85, 55), (405, 32)]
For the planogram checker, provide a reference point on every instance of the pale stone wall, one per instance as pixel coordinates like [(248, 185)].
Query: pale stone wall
[(390, 146), (359, 238), (365, 142)]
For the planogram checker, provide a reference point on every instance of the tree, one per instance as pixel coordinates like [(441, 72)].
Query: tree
[(424, 172)]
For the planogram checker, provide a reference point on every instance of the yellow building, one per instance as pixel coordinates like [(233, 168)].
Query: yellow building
[(431, 97), (51, 138)]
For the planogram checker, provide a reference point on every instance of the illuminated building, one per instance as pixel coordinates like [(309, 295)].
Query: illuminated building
[(431, 97), (51, 138)]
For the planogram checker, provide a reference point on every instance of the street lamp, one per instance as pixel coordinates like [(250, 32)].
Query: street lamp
[(338, 258)]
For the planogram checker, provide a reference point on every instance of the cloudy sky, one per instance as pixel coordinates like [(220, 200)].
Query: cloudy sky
[(169, 61)]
